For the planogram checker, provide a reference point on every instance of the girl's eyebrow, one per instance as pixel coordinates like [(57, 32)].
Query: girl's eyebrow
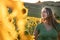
[(44, 11)]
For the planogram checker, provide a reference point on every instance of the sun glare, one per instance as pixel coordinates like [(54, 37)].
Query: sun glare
[(34, 1)]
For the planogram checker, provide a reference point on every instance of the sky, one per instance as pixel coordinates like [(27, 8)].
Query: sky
[(34, 1)]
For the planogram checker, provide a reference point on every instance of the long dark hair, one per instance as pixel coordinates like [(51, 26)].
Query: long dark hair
[(51, 18)]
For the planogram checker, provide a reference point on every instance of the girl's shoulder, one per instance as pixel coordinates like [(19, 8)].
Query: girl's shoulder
[(58, 27), (40, 24)]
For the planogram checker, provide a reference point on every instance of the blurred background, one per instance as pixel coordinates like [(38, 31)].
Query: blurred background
[(34, 7)]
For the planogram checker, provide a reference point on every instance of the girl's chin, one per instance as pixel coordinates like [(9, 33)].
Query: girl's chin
[(43, 18)]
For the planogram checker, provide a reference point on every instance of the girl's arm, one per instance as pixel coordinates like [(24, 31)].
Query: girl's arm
[(36, 34), (58, 35)]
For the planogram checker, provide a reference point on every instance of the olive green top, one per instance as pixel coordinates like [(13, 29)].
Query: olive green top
[(43, 34)]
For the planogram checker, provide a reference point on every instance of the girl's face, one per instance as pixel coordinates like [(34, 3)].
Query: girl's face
[(44, 13)]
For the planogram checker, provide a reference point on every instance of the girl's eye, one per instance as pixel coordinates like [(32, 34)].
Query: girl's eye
[(44, 12)]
